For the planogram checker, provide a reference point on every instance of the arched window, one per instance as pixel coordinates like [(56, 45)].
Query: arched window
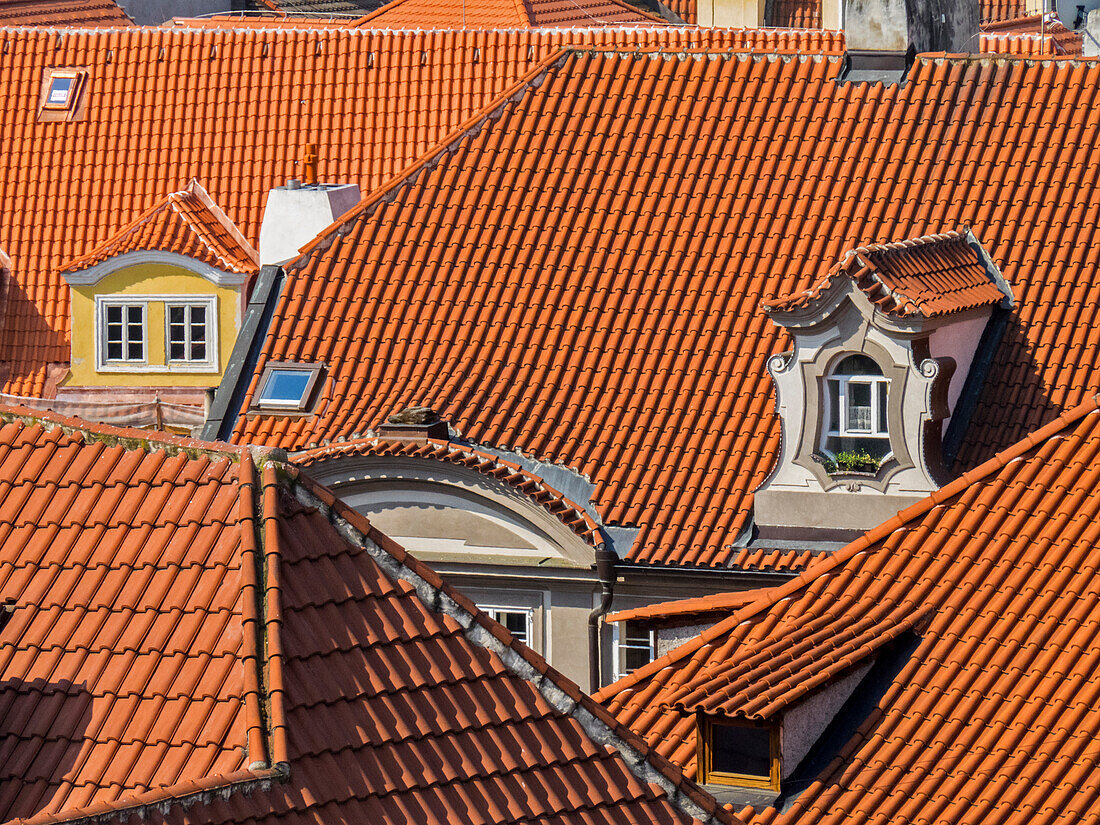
[(857, 415)]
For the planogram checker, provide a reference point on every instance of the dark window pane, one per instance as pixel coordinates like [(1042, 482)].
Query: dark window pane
[(198, 315), (134, 315), (198, 332), (114, 350), (634, 658), (114, 315), (882, 392), (176, 351), (516, 624), (857, 365), (741, 750), (198, 351), (175, 315), (60, 89), (135, 350), (859, 407)]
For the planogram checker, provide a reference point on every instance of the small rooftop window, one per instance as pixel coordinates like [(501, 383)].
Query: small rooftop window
[(62, 89), (740, 755), (287, 386)]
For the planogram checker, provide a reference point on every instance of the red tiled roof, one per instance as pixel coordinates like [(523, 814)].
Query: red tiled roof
[(607, 235), (991, 10), (186, 222), (147, 130), (142, 575), (928, 276), (702, 608), (54, 13), (798, 14), (994, 711), (506, 14), (1047, 29), (686, 10), (571, 514)]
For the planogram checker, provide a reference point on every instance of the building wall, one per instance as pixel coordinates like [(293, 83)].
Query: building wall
[(155, 12), (139, 280)]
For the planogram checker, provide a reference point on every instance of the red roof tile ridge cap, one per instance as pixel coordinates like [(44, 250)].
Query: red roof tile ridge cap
[(251, 600), (132, 438), (407, 176), (273, 619), (557, 690), (199, 191), (182, 793), (829, 563), (592, 532)]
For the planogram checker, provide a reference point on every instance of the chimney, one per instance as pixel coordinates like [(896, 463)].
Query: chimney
[(414, 424), (883, 35), (297, 212)]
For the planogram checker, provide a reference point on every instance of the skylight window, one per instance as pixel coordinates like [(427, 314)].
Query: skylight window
[(287, 387), (63, 89)]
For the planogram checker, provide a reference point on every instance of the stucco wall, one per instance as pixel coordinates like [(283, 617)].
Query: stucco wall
[(140, 280)]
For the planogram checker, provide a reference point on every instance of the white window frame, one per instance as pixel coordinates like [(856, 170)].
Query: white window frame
[(103, 364), (210, 363), (104, 301), (493, 611), (880, 386), (618, 647)]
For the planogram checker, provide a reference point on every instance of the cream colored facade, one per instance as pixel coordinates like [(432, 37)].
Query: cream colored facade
[(750, 13), (153, 281)]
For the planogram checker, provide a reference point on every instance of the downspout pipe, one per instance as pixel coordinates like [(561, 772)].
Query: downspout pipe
[(605, 572)]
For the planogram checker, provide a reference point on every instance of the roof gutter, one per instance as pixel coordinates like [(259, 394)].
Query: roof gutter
[(246, 353), (605, 572)]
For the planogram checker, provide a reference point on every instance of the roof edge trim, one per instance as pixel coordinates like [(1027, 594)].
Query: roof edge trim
[(646, 764), (97, 272)]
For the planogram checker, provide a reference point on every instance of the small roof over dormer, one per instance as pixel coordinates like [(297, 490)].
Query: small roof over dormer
[(929, 276), (187, 223)]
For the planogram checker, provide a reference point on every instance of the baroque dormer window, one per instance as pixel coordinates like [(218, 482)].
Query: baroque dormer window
[(882, 347), (857, 405)]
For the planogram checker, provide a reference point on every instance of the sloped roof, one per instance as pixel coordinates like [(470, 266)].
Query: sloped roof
[(568, 512), (188, 624), (166, 105), (506, 14), (993, 714), (81, 13), (188, 223), (608, 232), (1051, 33), (928, 276), (683, 611)]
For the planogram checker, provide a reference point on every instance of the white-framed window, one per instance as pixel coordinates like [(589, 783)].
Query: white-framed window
[(634, 646), (190, 332), (122, 340), (857, 409), (518, 620), (123, 333)]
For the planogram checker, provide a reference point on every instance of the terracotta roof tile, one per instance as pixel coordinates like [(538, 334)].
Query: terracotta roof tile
[(1052, 36), (683, 611), (643, 330), (54, 13), (141, 577), (187, 223), (995, 575), (928, 276), (506, 14), (146, 131), (569, 513)]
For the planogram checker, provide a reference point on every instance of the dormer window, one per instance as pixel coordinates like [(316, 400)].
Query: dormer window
[(857, 409), (740, 755)]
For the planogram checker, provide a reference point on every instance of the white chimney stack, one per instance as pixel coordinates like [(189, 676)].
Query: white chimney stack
[(296, 213)]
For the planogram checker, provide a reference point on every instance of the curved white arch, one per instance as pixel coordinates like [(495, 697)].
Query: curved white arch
[(97, 272)]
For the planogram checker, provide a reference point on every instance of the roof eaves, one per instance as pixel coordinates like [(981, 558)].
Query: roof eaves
[(830, 563), (199, 191), (646, 764)]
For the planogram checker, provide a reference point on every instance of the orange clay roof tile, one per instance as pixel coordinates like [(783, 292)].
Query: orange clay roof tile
[(55, 13), (928, 276), (131, 677), (993, 573), (607, 233), (146, 131), (568, 512), (1046, 30), (187, 223), (506, 14)]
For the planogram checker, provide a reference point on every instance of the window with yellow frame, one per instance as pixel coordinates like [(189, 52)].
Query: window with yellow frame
[(738, 754)]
